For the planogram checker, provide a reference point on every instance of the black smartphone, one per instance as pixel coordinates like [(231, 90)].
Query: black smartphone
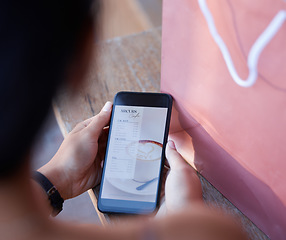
[(135, 154)]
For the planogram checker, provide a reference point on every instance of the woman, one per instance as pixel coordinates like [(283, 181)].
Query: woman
[(45, 44)]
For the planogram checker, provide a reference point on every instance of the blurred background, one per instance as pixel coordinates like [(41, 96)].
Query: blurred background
[(119, 18)]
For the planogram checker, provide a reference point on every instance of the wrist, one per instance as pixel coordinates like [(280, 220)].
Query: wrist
[(56, 201), (57, 178)]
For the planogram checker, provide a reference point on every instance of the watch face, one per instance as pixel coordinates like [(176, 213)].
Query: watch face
[(56, 202)]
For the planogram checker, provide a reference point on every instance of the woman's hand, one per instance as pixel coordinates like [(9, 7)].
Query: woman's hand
[(76, 167), (183, 186)]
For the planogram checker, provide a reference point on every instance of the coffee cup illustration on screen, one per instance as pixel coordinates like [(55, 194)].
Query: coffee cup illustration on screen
[(148, 159)]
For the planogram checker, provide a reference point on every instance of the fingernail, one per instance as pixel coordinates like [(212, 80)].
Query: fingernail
[(107, 107), (171, 144)]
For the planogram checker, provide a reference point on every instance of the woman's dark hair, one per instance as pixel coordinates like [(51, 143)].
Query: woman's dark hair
[(37, 40)]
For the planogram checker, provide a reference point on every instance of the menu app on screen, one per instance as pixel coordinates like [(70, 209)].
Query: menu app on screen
[(133, 159)]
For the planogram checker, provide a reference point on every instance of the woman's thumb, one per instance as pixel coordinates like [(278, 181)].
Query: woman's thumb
[(174, 158)]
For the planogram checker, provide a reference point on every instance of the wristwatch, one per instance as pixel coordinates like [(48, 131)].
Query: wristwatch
[(52, 192)]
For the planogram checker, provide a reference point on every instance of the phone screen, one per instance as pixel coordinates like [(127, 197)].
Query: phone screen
[(134, 158)]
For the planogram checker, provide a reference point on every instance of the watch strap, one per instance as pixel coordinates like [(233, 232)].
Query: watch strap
[(52, 192)]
